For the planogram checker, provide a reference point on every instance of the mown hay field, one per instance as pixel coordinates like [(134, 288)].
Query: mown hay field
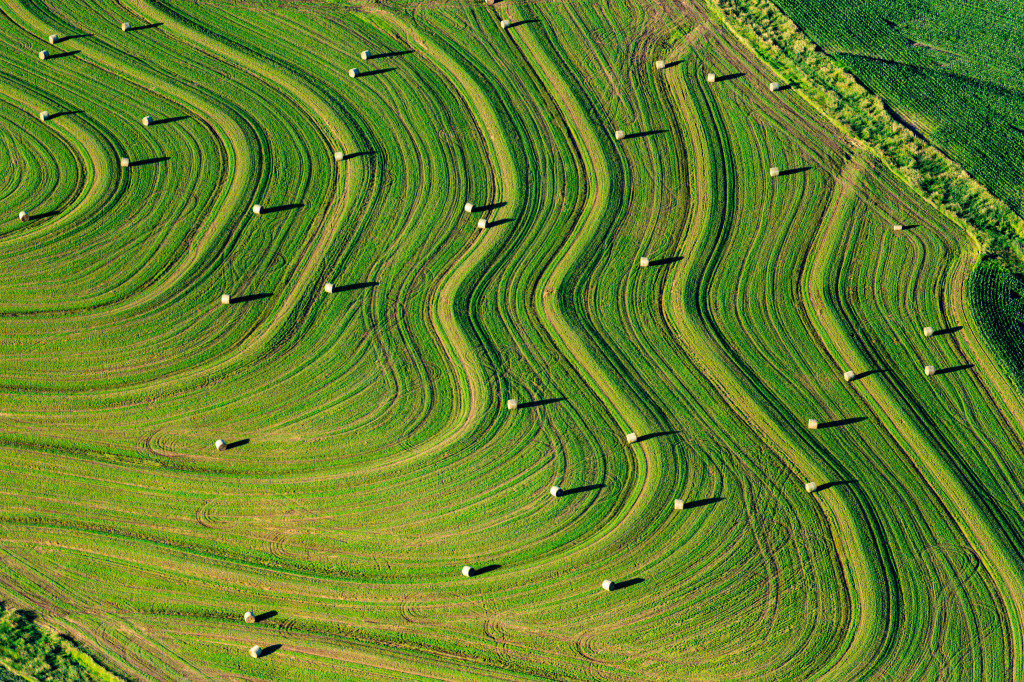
[(371, 454)]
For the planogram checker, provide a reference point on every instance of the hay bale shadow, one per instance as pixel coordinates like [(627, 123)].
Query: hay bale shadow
[(656, 434), (841, 422), (958, 368), (580, 489), (486, 569), (702, 503), (832, 484), (250, 297), (538, 403)]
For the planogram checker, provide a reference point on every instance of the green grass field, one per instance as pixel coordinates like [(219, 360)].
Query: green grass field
[(952, 70), (372, 455)]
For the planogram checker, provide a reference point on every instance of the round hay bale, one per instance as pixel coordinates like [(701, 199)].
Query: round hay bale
[(126, 26), (644, 261), (810, 486), (620, 134), (928, 331), (468, 208), (773, 86), (44, 115), (54, 39), (482, 223), (929, 370), (630, 437), (849, 375), (711, 78), (353, 73), (555, 491), (678, 504), (329, 288), (897, 228), (339, 156), (512, 404), (147, 120), (225, 299), (220, 445), (505, 23), (364, 55), (773, 171), (44, 54), (812, 424), (125, 162), (467, 571), (256, 652), (608, 585), (248, 617), (257, 209), (23, 216), (488, 2), (660, 64)]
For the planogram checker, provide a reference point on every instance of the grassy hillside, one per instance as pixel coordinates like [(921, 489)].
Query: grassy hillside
[(371, 452), (952, 70)]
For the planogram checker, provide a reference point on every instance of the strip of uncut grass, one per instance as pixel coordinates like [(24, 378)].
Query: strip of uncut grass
[(380, 457)]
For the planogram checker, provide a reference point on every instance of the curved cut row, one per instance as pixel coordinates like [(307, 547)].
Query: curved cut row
[(368, 452)]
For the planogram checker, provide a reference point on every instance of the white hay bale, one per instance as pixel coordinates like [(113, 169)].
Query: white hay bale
[(897, 228), (482, 223), (929, 370), (555, 491), (54, 39), (467, 571), (660, 64), (849, 375), (630, 437), (44, 115), (928, 331), (23, 216), (505, 23), (353, 73), (773, 86), (126, 26), (812, 423), (256, 652), (220, 445), (339, 156), (608, 585), (329, 288), (147, 120), (257, 209), (773, 171), (620, 134), (711, 78), (678, 504), (125, 162), (248, 617), (364, 55), (225, 299), (644, 261), (810, 486), (468, 208), (44, 54), (512, 404)]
